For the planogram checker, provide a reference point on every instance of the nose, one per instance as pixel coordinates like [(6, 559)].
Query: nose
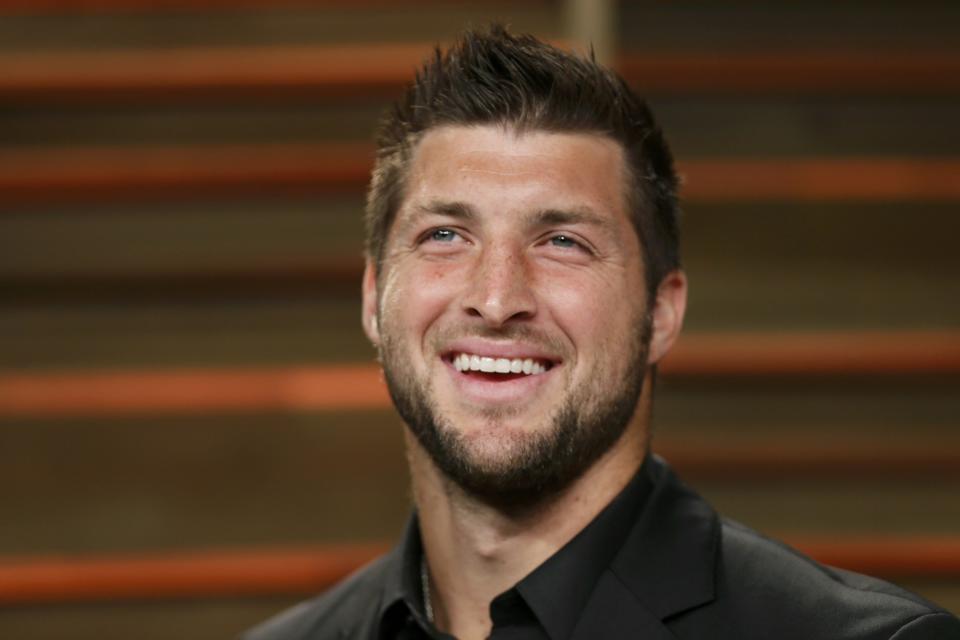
[(500, 289)]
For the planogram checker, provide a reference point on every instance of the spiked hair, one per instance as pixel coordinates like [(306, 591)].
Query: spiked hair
[(493, 77)]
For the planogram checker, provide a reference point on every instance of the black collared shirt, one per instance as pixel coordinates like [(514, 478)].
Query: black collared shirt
[(657, 564), (545, 605)]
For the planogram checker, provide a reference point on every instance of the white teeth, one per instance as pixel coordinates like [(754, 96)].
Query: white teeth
[(466, 362)]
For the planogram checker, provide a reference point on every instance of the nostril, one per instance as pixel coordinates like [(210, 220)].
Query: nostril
[(502, 297)]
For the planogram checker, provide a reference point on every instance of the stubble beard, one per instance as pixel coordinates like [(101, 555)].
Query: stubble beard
[(532, 467)]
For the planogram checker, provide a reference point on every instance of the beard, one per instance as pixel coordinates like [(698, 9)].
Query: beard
[(531, 467)]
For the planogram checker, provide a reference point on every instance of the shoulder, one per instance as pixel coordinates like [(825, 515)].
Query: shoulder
[(707, 576), (337, 613), (778, 588)]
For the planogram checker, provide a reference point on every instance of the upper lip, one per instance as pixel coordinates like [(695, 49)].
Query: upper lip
[(494, 349)]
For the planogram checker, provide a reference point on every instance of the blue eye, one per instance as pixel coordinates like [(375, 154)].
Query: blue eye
[(442, 235), (564, 241)]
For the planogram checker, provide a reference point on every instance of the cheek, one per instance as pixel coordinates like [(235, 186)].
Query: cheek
[(412, 298), (576, 309), (599, 315)]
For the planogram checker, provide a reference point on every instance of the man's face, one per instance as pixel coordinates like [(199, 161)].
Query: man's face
[(510, 309)]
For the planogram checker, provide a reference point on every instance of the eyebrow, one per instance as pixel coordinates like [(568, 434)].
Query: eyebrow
[(456, 210), (459, 210), (542, 218), (578, 215)]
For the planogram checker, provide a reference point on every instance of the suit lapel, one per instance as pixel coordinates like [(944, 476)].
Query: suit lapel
[(668, 561), (613, 613)]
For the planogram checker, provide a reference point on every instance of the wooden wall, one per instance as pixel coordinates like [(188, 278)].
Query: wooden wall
[(189, 412)]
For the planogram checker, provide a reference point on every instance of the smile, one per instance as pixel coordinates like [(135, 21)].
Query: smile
[(465, 362)]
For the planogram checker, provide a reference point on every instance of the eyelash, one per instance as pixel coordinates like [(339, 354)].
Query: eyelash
[(433, 235), (446, 234)]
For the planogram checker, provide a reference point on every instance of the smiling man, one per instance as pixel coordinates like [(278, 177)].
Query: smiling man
[(522, 283)]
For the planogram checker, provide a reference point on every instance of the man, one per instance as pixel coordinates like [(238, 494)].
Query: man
[(522, 283)]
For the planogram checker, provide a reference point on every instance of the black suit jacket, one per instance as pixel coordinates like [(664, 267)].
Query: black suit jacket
[(682, 574)]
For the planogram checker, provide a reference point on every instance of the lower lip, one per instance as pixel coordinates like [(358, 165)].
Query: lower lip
[(483, 389)]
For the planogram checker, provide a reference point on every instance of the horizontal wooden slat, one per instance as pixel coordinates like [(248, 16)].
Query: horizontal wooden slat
[(158, 173), (265, 280), (854, 353), (256, 73), (130, 284), (892, 558), (48, 176), (212, 574), (178, 575), (14, 7), (820, 179), (337, 71), (337, 387), (843, 72), (783, 457)]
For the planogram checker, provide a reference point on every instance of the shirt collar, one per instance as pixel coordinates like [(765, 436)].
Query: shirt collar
[(402, 594), (556, 591), (669, 559)]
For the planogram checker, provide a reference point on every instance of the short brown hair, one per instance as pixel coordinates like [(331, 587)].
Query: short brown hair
[(494, 77)]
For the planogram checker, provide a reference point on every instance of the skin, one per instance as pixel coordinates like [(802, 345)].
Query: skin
[(520, 243)]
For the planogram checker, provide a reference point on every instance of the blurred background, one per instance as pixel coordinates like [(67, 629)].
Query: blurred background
[(192, 431)]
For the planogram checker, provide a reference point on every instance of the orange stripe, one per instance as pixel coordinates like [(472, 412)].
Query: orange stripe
[(108, 173), (25, 580), (345, 387), (102, 6), (839, 353), (178, 575), (254, 72), (890, 558), (783, 457), (341, 387), (265, 73), (821, 179)]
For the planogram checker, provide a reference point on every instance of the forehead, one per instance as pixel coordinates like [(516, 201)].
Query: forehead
[(501, 169)]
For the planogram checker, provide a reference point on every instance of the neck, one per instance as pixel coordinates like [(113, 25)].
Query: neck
[(475, 551)]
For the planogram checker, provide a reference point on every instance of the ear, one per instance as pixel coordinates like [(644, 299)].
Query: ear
[(368, 311), (669, 308)]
